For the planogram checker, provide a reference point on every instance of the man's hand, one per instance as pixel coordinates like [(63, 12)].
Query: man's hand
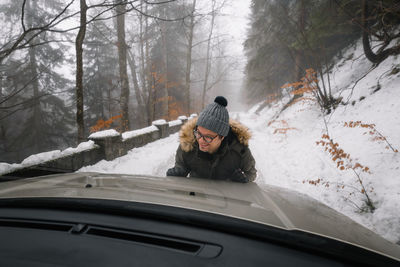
[(176, 171), (239, 176)]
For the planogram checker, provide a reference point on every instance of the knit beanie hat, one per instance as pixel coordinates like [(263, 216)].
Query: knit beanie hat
[(215, 117)]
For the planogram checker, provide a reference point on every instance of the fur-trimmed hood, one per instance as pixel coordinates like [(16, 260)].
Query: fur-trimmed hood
[(187, 140)]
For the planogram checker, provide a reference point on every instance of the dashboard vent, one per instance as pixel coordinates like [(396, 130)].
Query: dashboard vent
[(32, 224), (155, 240), (198, 249)]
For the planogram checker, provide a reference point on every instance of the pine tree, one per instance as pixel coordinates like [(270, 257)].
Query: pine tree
[(168, 61), (36, 119), (287, 37), (101, 91)]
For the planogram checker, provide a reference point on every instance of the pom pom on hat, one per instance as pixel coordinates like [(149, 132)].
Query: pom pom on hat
[(221, 100)]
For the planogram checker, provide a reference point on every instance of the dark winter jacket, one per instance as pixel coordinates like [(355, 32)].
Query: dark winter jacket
[(232, 161)]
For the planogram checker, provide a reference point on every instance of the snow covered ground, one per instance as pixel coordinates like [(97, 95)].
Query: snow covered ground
[(287, 155)]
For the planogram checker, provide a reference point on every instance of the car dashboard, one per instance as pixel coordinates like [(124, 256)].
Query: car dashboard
[(96, 232)]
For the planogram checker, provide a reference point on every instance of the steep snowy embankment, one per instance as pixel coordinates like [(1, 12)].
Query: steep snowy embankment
[(287, 155)]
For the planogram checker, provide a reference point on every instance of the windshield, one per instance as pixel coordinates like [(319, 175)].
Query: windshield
[(310, 89)]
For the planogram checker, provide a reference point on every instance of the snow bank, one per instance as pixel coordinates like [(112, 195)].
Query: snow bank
[(41, 157), (6, 167), (81, 147)]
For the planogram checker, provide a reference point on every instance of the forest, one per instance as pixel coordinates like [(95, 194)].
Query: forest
[(68, 68), (287, 37)]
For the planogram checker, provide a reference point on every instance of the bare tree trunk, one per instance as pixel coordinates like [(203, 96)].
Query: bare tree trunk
[(299, 72), (365, 38), (139, 97), (208, 63), (163, 93), (35, 83), (123, 73), (79, 71), (36, 102), (381, 53), (189, 59), (109, 98), (3, 142), (141, 46), (323, 95), (102, 99), (149, 77), (143, 68)]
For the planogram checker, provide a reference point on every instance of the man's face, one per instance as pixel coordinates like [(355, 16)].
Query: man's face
[(211, 147)]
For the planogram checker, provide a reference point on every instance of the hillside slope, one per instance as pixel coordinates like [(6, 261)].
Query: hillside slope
[(287, 153)]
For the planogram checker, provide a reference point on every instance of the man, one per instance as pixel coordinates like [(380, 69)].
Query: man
[(214, 147)]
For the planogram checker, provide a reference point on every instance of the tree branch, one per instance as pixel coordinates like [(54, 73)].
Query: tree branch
[(23, 15)]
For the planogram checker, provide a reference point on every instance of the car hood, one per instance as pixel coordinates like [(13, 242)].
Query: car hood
[(263, 204)]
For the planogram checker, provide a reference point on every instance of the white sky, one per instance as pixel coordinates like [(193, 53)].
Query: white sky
[(237, 12), (234, 22)]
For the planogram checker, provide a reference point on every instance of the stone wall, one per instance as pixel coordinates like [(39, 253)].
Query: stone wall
[(107, 147)]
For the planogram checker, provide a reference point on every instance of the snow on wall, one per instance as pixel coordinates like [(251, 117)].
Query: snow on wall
[(159, 122), (175, 123), (45, 156), (105, 133), (182, 118), (131, 134)]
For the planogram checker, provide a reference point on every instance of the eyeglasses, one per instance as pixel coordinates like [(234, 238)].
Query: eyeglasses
[(206, 138)]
